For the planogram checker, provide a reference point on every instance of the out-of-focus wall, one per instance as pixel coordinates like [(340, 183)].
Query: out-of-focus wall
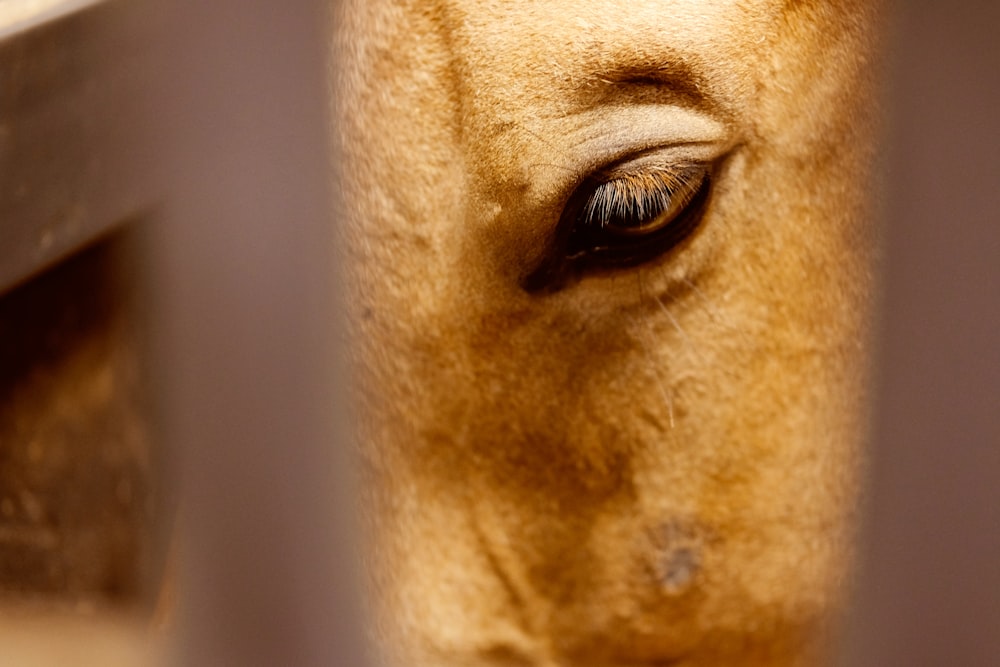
[(929, 587)]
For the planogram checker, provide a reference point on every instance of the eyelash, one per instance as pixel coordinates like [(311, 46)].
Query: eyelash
[(635, 207), (625, 220)]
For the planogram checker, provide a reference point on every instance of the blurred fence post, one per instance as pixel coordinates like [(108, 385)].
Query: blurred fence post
[(247, 335), (929, 589)]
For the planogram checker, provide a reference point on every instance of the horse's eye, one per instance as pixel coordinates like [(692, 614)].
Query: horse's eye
[(624, 218), (631, 218)]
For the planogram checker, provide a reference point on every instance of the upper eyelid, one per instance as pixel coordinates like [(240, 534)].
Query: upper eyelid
[(678, 172), (683, 172), (651, 161), (545, 172), (648, 129), (547, 186)]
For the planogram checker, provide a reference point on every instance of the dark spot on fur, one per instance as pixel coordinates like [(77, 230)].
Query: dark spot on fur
[(678, 549)]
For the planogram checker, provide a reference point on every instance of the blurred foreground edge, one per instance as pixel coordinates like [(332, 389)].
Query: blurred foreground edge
[(246, 335), (210, 120), (929, 587)]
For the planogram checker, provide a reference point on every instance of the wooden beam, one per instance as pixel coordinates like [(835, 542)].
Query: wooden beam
[(75, 154)]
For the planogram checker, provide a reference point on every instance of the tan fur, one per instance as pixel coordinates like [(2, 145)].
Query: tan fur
[(648, 464)]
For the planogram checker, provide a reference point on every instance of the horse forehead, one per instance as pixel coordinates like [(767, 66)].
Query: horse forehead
[(521, 53), (479, 65), (571, 27), (553, 20)]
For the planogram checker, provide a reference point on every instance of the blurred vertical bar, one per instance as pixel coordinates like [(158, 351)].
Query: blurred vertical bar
[(929, 588), (247, 336)]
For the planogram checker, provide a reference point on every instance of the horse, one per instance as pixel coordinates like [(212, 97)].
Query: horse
[(610, 274)]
